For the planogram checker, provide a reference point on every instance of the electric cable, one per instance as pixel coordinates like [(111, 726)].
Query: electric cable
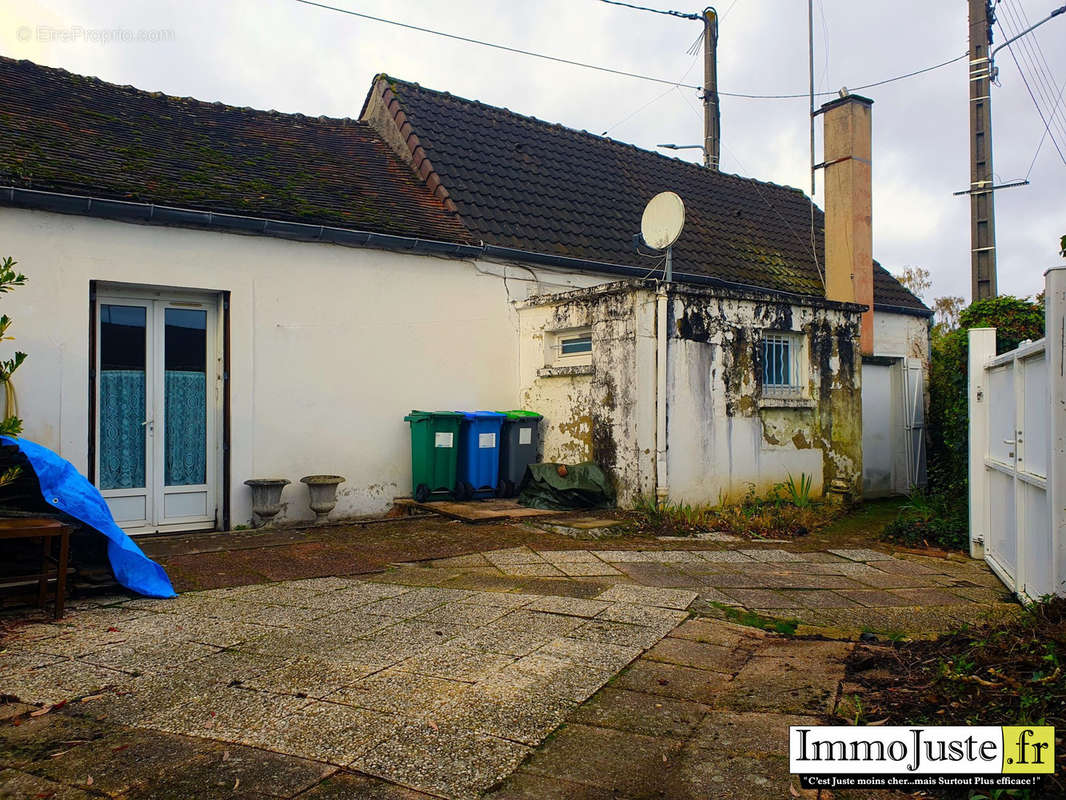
[(610, 70)]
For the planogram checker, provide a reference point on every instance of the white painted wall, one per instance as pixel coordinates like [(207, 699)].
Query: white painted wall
[(330, 346), (902, 336)]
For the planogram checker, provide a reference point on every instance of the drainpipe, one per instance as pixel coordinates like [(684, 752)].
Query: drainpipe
[(662, 486)]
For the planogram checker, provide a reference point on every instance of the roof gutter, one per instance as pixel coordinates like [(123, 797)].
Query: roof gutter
[(151, 213), (128, 211)]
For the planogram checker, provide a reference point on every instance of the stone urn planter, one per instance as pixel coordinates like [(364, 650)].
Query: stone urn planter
[(266, 497), (323, 491)]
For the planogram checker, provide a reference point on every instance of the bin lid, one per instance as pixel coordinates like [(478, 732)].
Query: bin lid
[(519, 414), (422, 416), (485, 415)]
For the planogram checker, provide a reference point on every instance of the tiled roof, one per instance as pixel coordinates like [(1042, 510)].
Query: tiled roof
[(523, 183), (68, 133)]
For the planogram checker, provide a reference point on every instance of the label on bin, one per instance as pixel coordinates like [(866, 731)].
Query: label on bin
[(525, 436), (486, 440), (443, 439)]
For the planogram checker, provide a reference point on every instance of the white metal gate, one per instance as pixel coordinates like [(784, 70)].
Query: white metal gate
[(1018, 453)]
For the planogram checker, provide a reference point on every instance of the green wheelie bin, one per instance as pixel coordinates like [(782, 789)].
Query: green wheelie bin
[(434, 452), (519, 443)]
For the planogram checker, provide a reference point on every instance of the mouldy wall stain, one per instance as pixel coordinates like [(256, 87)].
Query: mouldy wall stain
[(723, 436), (588, 417), (745, 440)]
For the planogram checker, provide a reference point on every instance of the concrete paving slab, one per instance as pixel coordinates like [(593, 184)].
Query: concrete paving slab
[(637, 712), (781, 686), (15, 784), (511, 713), (567, 556), (725, 557), (927, 597), (622, 556), (583, 568), (672, 680), (686, 653), (761, 598), (456, 663), (861, 554), (644, 595), (772, 555), (874, 598), (463, 614), (397, 692), (662, 619), (593, 654), (628, 764), (571, 606), (540, 569), (672, 556), (347, 786), (617, 633), (512, 555), (448, 761), (336, 734)]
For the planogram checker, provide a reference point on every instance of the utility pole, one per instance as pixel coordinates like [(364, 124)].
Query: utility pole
[(982, 203), (711, 114)]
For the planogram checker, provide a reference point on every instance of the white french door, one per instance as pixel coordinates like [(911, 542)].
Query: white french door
[(158, 420)]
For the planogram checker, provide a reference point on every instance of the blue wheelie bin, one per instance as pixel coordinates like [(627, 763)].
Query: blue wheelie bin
[(479, 454)]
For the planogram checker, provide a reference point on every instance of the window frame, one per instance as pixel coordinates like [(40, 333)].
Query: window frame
[(797, 366), (554, 355)]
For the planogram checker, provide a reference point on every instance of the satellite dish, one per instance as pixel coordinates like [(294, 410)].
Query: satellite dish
[(663, 219)]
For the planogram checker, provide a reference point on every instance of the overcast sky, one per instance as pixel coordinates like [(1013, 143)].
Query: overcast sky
[(278, 54)]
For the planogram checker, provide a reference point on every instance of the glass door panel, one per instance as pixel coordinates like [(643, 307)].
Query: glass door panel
[(185, 396), (124, 424)]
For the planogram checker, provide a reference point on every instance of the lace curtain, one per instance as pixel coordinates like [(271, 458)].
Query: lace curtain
[(122, 432), (186, 428), (122, 429)]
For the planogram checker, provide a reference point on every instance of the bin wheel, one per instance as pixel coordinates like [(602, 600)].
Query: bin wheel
[(466, 491), (512, 490), (501, 489), (422, 493)]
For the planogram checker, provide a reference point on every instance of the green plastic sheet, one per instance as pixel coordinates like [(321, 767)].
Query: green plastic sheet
[(585, 486)]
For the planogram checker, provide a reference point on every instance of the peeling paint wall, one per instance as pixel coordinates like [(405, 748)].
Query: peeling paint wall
[(603, 411), (724, 435)]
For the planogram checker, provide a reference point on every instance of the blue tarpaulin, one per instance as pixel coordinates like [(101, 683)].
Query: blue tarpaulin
[(67, 490)]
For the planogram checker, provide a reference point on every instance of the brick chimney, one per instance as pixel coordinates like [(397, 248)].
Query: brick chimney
[(849, 270)]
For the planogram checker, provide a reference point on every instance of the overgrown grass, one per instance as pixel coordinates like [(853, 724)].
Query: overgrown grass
[(933, 519), (753, 619), (997, 674), (788, 510)]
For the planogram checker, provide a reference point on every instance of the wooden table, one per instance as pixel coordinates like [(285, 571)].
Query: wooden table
[(47, 530)]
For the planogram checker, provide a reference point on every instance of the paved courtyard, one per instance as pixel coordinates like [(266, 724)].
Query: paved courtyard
[(518, 673)]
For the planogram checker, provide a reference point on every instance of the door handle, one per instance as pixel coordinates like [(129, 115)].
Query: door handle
[(149, 424)]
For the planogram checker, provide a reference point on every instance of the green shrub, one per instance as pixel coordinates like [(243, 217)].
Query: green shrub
[(940, 516)]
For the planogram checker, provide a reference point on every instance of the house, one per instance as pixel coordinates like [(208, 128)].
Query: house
[(218, 294)]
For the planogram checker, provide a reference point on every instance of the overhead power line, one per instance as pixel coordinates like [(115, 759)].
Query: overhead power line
[(681, 14), (610, 70)]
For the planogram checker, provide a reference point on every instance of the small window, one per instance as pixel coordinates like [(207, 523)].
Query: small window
[(574, 345), (777, 360), (782, 363)]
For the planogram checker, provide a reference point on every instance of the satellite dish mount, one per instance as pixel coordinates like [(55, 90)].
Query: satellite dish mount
[(663, 220)]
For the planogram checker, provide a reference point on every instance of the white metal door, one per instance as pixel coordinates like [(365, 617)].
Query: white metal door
[(157, 409), (914, 421), (880, 431)]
